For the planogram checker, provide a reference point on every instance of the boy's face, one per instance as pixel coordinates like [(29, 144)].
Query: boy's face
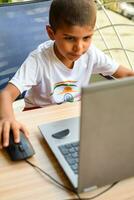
[(71, 42)]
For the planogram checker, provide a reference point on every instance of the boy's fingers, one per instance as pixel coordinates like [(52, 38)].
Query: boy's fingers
[(5, 134), (1, 137), (25, 131), (16, 134)]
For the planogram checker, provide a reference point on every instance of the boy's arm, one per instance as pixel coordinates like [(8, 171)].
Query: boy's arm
[(123, 72), (7, 118)]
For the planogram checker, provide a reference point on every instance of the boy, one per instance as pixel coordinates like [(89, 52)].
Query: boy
[(56, 70)]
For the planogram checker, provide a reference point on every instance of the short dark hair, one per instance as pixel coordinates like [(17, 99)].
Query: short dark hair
[(72, 12)]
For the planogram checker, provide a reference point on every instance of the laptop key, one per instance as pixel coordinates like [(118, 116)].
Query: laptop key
[(75, 171), (75, 144), (70, 160), (72, 150), (74, 167), (75, 155), (64, 150), (68, 145)]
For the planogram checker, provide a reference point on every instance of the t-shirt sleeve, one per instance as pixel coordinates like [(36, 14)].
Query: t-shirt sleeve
[(103, 64), (27, 74)]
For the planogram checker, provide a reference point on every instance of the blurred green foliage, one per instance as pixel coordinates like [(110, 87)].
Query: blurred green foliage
[(111, 4), (5, 1)]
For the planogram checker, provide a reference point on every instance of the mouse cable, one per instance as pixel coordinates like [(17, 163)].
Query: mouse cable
[(68, 188), (53, 179), (97, 195)]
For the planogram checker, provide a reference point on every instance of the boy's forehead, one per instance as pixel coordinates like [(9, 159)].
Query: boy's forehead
[(75, 29)]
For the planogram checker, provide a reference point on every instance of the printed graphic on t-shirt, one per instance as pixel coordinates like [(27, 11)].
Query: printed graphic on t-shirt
[(66, 91)]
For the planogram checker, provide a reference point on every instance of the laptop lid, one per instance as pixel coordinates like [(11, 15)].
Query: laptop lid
[(106, 134)]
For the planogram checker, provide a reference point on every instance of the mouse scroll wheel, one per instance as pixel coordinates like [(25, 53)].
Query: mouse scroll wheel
[(20, 147)]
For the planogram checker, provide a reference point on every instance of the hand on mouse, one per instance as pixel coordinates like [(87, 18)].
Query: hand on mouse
[(10, 123)]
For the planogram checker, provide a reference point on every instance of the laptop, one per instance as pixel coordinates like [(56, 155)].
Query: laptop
[(96, 148)]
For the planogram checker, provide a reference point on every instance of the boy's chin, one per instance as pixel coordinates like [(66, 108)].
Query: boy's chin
[(74, 57)]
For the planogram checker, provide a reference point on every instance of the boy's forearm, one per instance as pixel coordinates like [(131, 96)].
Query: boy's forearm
[(7, 97), (123, 72), (6, 110)]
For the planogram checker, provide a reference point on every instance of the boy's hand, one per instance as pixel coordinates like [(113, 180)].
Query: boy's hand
[(5, 126)]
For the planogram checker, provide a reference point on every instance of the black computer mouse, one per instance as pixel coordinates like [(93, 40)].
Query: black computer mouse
[(21, 150)]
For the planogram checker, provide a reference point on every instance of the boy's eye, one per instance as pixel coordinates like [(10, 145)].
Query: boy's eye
[(69, 38), (87, 38)]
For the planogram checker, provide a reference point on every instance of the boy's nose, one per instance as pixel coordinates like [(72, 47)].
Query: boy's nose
[(78, 47)]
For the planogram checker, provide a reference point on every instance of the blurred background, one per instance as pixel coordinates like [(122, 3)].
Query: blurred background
[(125, 8), (114, 31)]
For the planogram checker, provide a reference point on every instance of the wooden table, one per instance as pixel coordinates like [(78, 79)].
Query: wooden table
[(20, 181)]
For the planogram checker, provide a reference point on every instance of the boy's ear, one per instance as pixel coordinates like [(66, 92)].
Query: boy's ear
[(50, 32)]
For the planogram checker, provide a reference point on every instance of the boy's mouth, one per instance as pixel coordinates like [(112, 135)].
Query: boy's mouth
[(75, 55)]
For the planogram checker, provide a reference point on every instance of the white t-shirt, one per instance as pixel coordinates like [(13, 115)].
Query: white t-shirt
[(48, 81)]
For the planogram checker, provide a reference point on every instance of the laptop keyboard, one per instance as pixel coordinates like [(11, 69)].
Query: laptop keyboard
[(71, 154)]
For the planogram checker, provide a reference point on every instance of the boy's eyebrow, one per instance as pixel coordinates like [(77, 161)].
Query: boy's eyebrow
[(66, 34)]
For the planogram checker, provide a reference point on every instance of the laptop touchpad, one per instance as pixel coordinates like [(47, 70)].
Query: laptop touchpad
[(61, 134)]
